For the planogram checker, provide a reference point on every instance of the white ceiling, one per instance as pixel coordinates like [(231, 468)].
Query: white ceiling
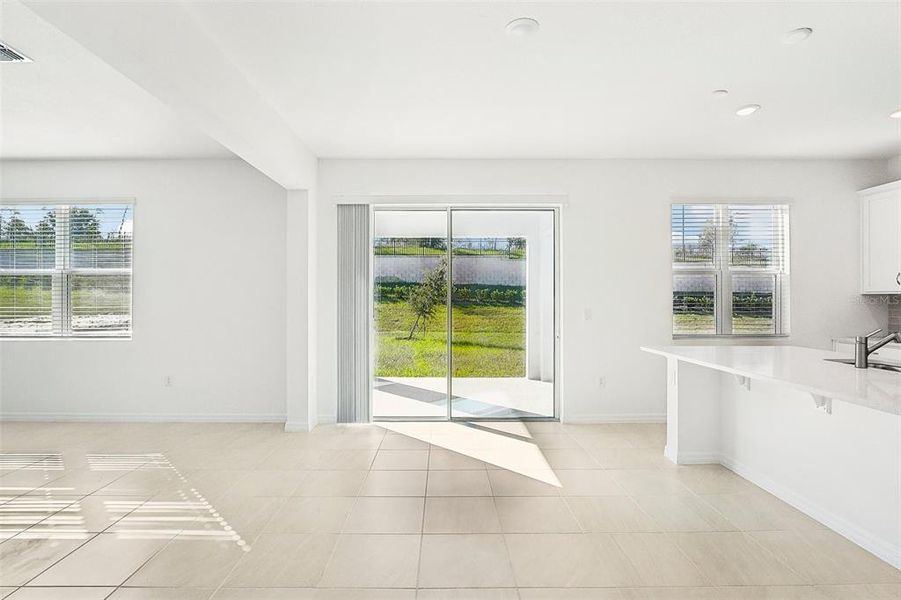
[(434, 79), (599, 80), (70, 104)]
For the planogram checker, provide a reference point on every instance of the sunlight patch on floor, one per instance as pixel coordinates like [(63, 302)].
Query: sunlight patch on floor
[(473, 397), (506, 445), (49, 512), (30, 461)]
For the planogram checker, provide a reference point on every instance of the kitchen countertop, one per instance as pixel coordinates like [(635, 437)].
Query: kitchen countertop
[(850, 340), (800, 368)]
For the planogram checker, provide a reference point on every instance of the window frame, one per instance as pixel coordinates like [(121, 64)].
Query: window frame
[(722, 271), (64, 319)]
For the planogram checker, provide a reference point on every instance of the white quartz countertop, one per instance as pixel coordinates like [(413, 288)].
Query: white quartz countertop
[(850, 340), (801, 368)]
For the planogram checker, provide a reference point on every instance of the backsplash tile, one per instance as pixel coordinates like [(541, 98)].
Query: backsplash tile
[(894, 316)]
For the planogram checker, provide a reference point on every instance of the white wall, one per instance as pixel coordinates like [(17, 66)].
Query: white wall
[(301, 327), (894, 168), (209, 298), (616, 255), (228, 366)]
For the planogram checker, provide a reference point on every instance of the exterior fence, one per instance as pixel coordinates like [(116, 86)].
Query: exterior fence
[(487, 270), (513, 248)]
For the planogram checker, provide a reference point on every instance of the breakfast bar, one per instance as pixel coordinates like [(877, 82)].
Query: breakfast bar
[(794, 422)]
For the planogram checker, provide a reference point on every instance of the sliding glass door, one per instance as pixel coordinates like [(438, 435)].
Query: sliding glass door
[(487, 276), (409, 314), (502, 325)]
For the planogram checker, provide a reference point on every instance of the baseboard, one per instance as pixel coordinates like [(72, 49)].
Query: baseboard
[(581, 419), (692, 458), (617, 418), (698, 458), (297, 426), (145, 417), (885, 550)]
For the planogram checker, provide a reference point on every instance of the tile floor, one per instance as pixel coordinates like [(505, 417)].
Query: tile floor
[(429, 511)]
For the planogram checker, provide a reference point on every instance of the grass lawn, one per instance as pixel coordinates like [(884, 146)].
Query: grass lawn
[(25, 245), (516, 254), (704, 324), (407, 251), (489, 341), (28, 300), (49, 244), (36, 300)]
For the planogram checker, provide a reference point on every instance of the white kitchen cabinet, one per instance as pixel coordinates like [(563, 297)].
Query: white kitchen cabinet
[(880, 239)]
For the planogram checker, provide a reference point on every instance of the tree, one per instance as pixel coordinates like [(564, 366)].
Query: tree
[(707, 241), (516, 244), (46, 228), (84, 224), (17, 230), (751, 253), (436, 243), (426, 296)]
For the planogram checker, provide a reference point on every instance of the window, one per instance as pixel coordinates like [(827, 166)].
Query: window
[(65, 270), (730, 269)]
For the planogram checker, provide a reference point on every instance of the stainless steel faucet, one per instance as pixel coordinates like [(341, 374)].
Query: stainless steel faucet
[(862, 349)]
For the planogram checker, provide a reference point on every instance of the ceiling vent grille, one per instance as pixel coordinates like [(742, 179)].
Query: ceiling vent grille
[(8, 55)]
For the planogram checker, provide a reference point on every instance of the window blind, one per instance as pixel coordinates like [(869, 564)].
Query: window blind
[(694, 240), (730, 269), (757, 236), (66, 270)]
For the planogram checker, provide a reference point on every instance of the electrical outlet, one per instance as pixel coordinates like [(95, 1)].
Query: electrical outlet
[(588, 313), (602, 382), (167, 381)]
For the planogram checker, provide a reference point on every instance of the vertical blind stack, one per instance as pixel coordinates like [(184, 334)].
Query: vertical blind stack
[(353, 313)]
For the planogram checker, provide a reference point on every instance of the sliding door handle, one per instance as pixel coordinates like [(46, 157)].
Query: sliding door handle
[(898, 278)]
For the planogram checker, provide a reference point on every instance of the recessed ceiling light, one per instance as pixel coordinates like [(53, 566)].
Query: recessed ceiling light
[(796, 36), (747, 109), (896, 114), (523, 26), (720, 93)]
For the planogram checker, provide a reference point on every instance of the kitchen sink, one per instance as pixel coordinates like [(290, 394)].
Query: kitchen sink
[(873, 364)]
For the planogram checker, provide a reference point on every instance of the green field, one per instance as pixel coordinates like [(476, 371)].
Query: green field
[(688, 323), (48, 245), (408, 251), (34, 300), (27, 299), (489, 341)]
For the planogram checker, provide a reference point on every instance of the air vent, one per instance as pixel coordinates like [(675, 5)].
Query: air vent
[(8, 55)]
